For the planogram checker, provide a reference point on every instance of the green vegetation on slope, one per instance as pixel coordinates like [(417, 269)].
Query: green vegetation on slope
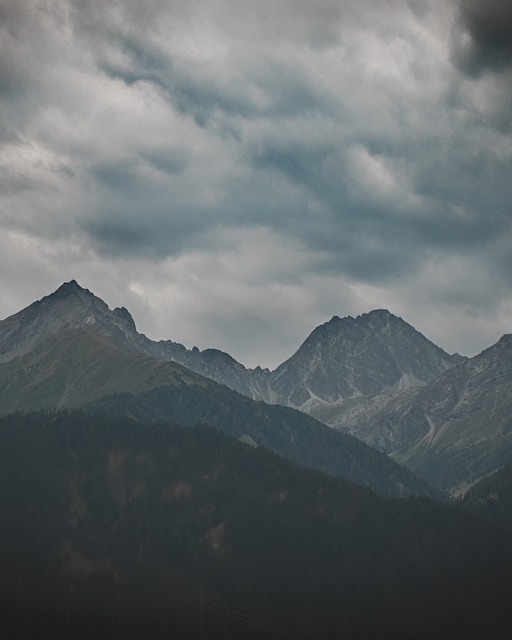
[(77, 367), (290, 433)]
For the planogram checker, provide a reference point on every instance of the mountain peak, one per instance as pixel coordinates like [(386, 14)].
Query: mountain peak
[(349, 357), (69, 306), (375, 313), (505, 340), (70, 299), (123, 314), (72, 285), (379, 313), (67, 289), (380, 316)]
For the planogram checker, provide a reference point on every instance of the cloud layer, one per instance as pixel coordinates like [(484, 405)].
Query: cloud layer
[(236, 173)]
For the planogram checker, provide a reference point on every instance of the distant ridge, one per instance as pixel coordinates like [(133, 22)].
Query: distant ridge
[(343, 358)]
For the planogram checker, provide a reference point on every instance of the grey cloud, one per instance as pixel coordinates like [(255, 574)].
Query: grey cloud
[(121, 231), (11, 85), (15, 74), (461, 174), (488, 23), (166, 160), (12, 17), (253, 34), (465, 197), (31, 41), (192, 95), (115, 239), (197, 92), (133, 214), (299, 162), (340, 125), (119, 177)]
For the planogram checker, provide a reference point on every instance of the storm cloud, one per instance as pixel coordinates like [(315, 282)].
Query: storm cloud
[(236, 173), (487, 25)]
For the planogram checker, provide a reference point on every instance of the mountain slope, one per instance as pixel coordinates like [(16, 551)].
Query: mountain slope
[(71, 306), (469, 413), (344, 358), (361, 375), (390, 421), (111, 529), (350, 357), (453, 431), (79, 367)]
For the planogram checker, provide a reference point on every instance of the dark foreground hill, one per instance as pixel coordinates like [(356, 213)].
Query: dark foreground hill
[(491, 498), (113, 529)]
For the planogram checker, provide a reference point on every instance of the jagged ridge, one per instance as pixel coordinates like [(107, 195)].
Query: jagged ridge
[(343, 358)]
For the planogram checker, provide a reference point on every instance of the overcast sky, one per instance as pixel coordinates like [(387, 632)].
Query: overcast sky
[(236, 173)]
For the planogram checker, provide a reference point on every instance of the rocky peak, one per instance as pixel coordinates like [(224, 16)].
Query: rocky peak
[(378, 318), (505, 340), (125, 316), (69, 288), (69, 306), (384, 320), (350, 357), (71, 295), (378, 314)]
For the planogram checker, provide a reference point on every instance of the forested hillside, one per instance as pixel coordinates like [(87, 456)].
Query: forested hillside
[(110, 528)]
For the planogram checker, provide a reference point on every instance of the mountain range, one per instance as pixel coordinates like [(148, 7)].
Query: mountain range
[(344, 358), (143, 497), (375, 377), (70, 350)]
